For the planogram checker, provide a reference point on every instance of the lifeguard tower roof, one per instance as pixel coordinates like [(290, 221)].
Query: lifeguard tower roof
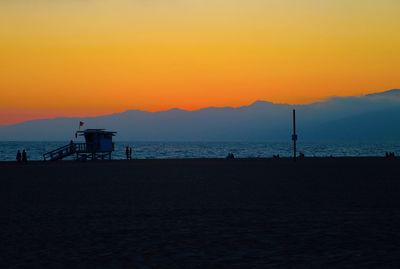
[(96, 131)]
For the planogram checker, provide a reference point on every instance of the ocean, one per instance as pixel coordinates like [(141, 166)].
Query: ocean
[(169, 150)]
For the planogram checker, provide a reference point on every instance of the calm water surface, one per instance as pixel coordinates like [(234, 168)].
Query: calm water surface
[(159, 150)]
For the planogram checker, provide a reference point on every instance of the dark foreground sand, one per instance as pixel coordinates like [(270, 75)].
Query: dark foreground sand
[(201, 214)]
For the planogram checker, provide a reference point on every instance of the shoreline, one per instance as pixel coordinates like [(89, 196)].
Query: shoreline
[(218, 159)]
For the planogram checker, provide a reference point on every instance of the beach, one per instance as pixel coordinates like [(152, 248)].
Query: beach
[(201, 213)]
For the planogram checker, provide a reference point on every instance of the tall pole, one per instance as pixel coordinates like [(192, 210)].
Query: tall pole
[(294, 136)]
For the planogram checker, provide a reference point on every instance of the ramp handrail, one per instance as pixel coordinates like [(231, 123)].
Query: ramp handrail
[(50, 154), (64, 151)]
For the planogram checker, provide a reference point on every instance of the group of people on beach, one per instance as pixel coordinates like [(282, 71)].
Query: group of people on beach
[(389, 155), (230, 156), (22, 157), (128, 152)]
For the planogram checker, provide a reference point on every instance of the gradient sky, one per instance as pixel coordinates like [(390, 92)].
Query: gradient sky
[(90, 57)]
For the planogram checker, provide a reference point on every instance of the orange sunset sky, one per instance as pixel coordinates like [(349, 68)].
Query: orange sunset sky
[(91, 57)]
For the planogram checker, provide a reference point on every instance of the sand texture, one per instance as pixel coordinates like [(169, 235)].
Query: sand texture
[(260, 213)]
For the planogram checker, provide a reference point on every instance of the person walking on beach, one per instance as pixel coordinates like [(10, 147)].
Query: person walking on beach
[(127, 152), (24, 157), (71, 146), (130, 153), (19, 156)]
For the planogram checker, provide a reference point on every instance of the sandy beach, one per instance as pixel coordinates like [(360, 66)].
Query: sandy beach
[(201, 213)]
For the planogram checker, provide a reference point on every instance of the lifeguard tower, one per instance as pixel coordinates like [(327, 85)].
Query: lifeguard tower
[(98, 145)]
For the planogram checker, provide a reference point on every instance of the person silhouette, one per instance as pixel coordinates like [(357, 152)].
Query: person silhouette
[(24, 157), (130, 153), (127, 152), (19, 156), (71, 146)]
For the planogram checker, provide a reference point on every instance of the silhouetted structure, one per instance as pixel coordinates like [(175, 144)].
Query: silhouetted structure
[(294, 136), (98, 145)]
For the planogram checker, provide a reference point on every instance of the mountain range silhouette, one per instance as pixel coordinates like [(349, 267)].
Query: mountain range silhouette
[(357, 118)]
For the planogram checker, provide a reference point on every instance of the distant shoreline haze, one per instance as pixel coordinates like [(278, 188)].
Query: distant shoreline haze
[(372, 117)]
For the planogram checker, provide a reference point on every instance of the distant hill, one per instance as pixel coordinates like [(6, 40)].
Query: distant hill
[(370, 117), (389, 93)]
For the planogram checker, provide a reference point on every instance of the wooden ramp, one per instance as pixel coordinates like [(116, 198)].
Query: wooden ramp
[(81, 150)]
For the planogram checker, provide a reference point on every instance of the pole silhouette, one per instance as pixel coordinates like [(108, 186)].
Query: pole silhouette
[(294, 136)]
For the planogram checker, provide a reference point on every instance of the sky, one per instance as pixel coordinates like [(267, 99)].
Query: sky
[(93, 57)]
